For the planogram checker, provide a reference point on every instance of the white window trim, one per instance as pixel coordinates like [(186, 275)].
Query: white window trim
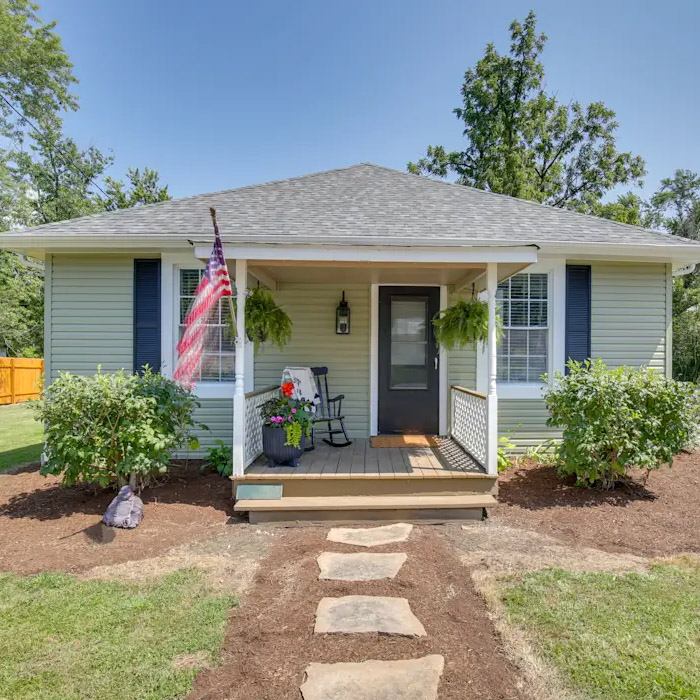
[(170, 314), (556, 320)]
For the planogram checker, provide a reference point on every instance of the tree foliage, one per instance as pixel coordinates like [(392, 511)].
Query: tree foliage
[(523, 142), (45, 176)]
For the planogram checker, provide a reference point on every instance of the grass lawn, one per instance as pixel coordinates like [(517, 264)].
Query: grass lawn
[(20, 436), (64, 638), (616, 637)]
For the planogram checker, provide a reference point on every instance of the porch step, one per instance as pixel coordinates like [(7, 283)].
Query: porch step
[(351, 508)]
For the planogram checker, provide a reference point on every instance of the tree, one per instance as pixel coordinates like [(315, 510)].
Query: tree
[(35, 73), (144, 189), (44, 175), (522, 142), (22, 308), (629, 208)]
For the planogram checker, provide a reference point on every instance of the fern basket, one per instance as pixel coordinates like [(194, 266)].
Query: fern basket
[(464, 323)]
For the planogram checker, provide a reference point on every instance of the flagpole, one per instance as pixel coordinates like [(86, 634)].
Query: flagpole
[(212, 211)]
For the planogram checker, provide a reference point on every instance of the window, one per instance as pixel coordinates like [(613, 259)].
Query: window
[(217, 363), (523, 306)]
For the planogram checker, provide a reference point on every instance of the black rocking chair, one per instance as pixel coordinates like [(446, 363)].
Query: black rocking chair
[(329, 411)]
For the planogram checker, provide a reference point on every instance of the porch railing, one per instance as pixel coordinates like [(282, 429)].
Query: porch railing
[(254, 422), (468, 422)]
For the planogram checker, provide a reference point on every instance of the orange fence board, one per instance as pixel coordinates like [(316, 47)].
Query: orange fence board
[(20, 379)]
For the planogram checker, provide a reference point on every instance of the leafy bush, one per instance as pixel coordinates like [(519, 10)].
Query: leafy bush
[(616, 419), (220, 459), (503, 461), (114, 428)]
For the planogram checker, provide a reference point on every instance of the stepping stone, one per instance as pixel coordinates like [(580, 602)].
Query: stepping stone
[(371, 536), (362, 566), (353, 614), (412, 679)]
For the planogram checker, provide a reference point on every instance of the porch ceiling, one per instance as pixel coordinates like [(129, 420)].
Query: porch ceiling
[(459, 275)]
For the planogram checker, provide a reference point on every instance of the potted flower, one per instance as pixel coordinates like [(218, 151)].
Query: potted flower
[(287, 424)]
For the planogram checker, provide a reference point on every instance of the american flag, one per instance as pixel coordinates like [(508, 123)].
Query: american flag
[(215, 285)]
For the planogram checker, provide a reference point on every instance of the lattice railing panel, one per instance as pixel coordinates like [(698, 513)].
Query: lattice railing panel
[(254, 422), (469, 422)]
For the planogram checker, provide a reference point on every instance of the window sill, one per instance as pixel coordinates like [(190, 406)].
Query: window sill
[(516, 390), (214, 390)]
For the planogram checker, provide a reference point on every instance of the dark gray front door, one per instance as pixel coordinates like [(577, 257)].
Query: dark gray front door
[(409, 386)]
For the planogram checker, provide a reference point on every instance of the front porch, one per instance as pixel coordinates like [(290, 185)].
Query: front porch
[(430, 478), (455, 476)]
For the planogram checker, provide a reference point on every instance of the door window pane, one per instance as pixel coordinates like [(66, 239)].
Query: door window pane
[(409, 343)]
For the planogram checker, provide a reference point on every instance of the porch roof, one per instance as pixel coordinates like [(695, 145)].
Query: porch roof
[(360, 205)]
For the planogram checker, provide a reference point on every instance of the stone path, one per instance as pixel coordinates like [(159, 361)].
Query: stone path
[(410, 679), (359, 567)]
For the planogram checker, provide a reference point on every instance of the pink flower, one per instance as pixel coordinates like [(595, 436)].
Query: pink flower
[(294, 410)]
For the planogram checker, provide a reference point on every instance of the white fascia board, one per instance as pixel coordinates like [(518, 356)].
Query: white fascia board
[(680, 254), (380, 254)]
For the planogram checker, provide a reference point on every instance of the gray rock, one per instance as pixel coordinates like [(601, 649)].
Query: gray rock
[(362, 566), (412, 679), (354, 614), (371, 536), (125, 510)]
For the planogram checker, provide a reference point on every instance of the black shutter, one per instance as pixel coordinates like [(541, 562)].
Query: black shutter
[(146, 314), (578, 312)]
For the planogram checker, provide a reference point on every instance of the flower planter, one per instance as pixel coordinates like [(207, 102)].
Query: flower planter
[(276, 452)]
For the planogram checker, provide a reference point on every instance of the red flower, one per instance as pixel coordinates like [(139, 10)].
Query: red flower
[(288, 389)]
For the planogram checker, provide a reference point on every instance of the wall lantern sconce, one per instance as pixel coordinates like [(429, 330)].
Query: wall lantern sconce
[(342, 317)]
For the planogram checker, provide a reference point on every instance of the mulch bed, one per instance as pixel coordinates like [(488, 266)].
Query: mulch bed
[(270, 640), (44, 526), (657, 518)]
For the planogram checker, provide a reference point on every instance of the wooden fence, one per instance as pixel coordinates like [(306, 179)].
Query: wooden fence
[(20, 379)]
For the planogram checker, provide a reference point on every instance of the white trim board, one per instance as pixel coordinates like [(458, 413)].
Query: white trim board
[(374, 358)]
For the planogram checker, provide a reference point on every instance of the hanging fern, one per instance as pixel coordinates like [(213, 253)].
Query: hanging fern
[(265, 321), (462, 324)]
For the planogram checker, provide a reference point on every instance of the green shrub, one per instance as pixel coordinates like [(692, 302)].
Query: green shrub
[(114, 428), (220, 459), (616, 419), (503, 461)]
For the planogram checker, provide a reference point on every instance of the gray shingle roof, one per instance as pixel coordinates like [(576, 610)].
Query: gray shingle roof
[(362, 203)]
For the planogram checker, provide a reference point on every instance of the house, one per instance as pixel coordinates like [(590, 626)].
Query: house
[(399, 247)]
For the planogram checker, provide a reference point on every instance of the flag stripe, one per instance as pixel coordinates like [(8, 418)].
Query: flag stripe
[(214, 285)]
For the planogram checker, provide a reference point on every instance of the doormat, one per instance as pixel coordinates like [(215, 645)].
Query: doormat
[(403, 441)]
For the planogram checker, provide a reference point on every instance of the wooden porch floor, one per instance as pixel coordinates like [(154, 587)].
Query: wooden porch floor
[(362, 461)]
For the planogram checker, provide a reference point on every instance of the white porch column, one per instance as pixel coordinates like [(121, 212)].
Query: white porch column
[(239, 427), (492, 395)]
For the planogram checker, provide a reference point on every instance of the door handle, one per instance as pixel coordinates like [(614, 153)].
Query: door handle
[(436, 361)]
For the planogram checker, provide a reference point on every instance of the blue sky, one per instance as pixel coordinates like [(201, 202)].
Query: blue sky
[(217, 95)]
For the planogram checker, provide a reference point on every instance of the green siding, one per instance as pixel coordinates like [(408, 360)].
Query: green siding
[(629, 317), (217, 415), (315, 343), (91, 313), (628, 314), (524, 421)]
